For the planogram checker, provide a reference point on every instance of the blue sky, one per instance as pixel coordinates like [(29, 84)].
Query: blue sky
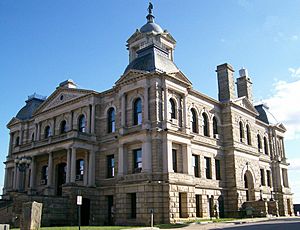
[(43, 43)]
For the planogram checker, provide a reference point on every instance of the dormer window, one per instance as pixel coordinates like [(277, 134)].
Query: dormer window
[(63, 127), (172, 109), (137, 112), (47, 132), (81, 124)]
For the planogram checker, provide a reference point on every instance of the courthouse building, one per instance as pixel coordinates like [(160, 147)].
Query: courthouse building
[(151, 143)]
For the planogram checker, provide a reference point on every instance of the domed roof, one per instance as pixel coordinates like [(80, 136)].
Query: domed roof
[(151, 26), (31, 106)]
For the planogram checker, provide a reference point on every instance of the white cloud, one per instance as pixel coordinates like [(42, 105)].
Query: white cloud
[(294, 37), (284, 104), (295, 72), (295, 165)]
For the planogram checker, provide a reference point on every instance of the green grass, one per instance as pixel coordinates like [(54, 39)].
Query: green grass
[(84, 228), (217, 220)]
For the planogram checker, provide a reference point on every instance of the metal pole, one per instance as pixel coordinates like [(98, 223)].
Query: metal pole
[(79, 216), (151, 218)]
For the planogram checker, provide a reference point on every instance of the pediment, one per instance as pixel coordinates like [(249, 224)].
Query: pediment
[(61, 96), (246, 104), (181, 77), (13, 121), (129, 75), (281, 126)]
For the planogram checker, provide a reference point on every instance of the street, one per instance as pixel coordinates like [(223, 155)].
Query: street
[(277, 224)]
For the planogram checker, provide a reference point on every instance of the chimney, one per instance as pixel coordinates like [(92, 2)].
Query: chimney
[(244, 85), (226, 82)]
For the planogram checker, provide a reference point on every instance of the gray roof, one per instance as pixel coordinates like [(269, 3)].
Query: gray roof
[(151, 26), (265, 115), (151, 59), (31, 106)]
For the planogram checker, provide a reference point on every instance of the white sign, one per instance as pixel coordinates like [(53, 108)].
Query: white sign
[(79, 200)]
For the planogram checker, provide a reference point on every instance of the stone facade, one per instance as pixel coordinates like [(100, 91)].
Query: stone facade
[(150, 143)]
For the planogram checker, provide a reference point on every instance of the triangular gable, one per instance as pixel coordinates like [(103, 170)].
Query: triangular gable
[(130, 75), (281, 126), (245, 103), (13, 121), (61, 96), (181, 77)]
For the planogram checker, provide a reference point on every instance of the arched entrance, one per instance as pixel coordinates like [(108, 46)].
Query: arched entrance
[(85, 212), (61, 170), (249, 186)]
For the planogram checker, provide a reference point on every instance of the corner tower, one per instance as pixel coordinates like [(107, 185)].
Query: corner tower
[(151, 48)]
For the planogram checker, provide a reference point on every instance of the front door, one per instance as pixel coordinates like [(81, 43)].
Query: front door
[(110, 211), (61, 177), (85, 212)]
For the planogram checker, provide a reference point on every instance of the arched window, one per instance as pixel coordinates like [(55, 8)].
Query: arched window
[(205, 125), (81, 123), (47, 131), (172, 108), (137, 112), (111, 121), (17, 141), (63, 127), (79, 169), (215, 126), (266, 146), (248, 134), (258, 142), (241, 131), (32, 137), (194, 122), (44, 175)]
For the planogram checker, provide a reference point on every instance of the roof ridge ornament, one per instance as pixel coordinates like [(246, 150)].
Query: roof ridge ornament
[(150, 16)]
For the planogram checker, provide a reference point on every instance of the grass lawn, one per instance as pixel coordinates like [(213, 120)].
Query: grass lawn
[(84, 228), (168, 226)]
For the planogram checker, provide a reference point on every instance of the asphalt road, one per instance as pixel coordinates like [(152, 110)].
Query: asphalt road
[(277, 224)]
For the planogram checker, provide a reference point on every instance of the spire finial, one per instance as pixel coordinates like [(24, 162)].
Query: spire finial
[(150, 17)]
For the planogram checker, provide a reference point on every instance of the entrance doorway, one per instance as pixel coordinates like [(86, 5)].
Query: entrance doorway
[(85, 212), (249, 186), (110, 209), (221, 207), (288, 201), (61, 177)]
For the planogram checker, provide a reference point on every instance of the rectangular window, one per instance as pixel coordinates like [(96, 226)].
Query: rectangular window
[(133, 205), (198, 205), (183, 205), (110, 166), (262, 177), (269, 178), (207, 167), (174, 159), (195, 165), (137, 160), (285, 178), (218, 169)]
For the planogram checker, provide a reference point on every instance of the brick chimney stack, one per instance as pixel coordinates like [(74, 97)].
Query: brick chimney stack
[(244, 85), (226, 82)]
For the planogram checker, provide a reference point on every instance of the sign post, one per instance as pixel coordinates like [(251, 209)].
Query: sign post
[(79, 203)]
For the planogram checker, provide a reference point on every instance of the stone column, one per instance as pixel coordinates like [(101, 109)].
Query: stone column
[(146, 104), (93, 120), (33, 173), (147, 155), (69, 152), (11, 141), (167, 159), (5, 180), (165, 105), (15, 177), (86, 168), (73, 165), (123, 111), (187, 159), (50, 170), (184, 114), (91, 181), (122, 161)]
